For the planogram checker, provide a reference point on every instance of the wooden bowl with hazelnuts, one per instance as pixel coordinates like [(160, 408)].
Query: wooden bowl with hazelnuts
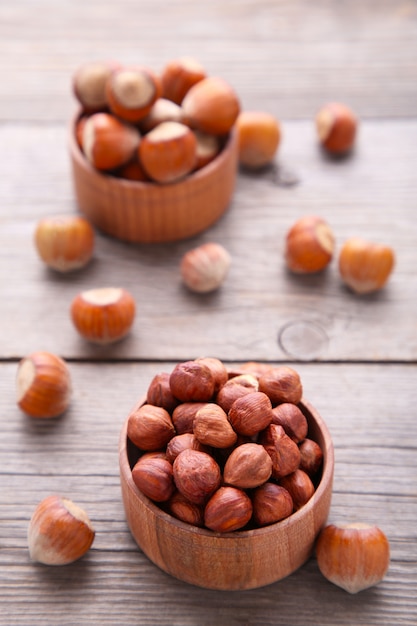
[(154, 157), (226, 476)]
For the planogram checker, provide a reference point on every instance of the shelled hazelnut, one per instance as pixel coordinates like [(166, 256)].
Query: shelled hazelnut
[(365, 266), (309, 245), (211, 106), (229, 466), (107, 142), (205, 268), (336, 126), (64, 242)]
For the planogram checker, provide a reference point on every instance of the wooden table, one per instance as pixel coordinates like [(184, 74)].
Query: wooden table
[(356, 355)]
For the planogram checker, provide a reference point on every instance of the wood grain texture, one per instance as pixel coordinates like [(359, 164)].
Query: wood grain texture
[(375, 478)]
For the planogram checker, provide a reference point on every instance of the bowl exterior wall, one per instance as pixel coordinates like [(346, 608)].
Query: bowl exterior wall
[(155, 213), (232, 561)]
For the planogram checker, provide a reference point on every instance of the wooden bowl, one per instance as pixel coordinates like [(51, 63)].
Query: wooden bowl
[(149, 212), (229, 561)]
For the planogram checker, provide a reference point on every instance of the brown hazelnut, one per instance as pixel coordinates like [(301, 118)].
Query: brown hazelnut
[(217, 368), (162, 110), (251, 413), (183, 416), (178, 443), (353, 556), (150, 427), (311, 457), (227, 510), (281, 384), (309, 245), (259, 135), (292, 419), (107, 142), (300, 487), (159, 392), (196, 475), (248, 466), (186, 511), (179, 75), (283, 451), (89, 84), (212, 428), (336, 127), (235, 388), (205, 268), (131, 92), (153, 476), (271, 503), (192, 381), (211, 106), (365, 266)]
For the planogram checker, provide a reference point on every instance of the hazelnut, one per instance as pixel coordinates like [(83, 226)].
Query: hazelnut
[(217, 368), (150, 427), (259, 135), (133, 170), (103, 315), (168, 152), (336, 128), (365, 266), (299, 486), (89, 84), (153, 477), (43, 385), (248, 466), (254, 368), (183, 416), (281, 384), (132, 91), (251, 413), (212, 428), (292, 419), (208, 147), (227, 510), (196, 475), (159, 392), (204, 269), (186, 511), (271, 503), (185, 441), (178, 76), (64, 242), (311, 457), (211, 106), (235, 388), (353, 556), (162, 110), (192, 381), (309, 245), (59, 532), (283, 451), (107, 142)]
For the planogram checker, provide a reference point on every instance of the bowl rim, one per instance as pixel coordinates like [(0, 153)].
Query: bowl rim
[(227, 142), (325, 483)]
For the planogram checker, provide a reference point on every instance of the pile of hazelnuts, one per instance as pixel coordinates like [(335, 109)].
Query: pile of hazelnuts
[(150, 127), (224, 451)]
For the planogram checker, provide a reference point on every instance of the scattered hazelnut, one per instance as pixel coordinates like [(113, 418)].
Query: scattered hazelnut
[(251, 413), (103, 315), (168, 152), (211, 106), (292, 419), (353, 556), (64, 242), (178, 76), (131, 92), (271, 503), (204, 269), (89, 84), (248, 466), (309, 245), (212, 428), (336, 128), (153, 476), (43, 385), (59, 532), (192, 381), (299, 486), (107, 142), (150, 427), (196, 475), (259, 135), (365, 266), (281, 384), (227, 510)]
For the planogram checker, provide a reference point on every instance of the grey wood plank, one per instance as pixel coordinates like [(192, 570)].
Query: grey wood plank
[(287, 57), (261, 311), (370, 411)]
